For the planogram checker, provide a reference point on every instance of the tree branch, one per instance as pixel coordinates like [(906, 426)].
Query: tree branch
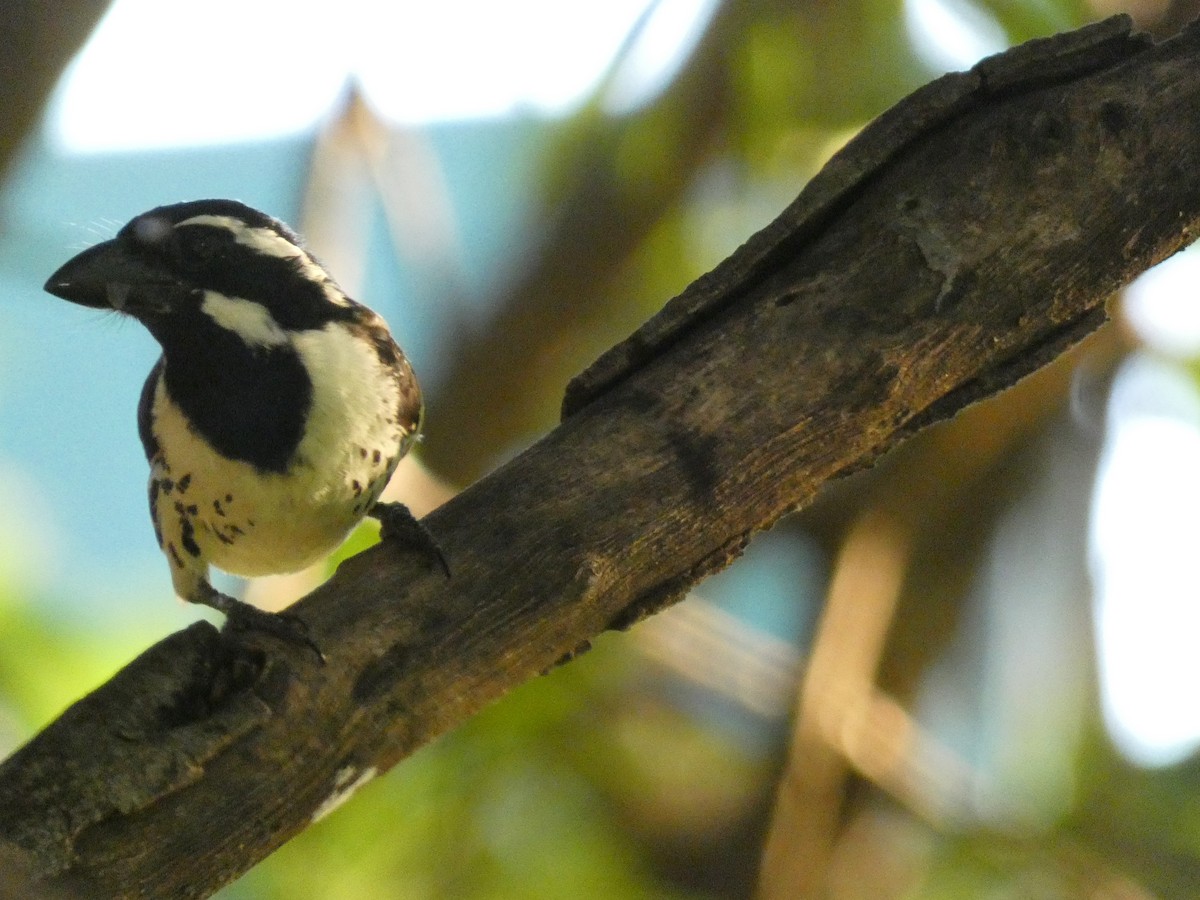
[(967, 237)]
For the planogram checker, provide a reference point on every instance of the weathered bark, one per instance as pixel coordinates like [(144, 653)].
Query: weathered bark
[(967, 237)]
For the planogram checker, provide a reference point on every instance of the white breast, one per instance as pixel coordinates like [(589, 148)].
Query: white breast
[(255, 523)]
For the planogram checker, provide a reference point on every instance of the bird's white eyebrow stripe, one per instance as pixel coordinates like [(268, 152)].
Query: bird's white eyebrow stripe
[(269, 243), (262, 240)]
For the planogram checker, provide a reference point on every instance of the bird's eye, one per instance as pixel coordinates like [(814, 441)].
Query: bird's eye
[(196, 247)]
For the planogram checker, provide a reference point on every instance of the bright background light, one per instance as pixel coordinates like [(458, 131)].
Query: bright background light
[(1146, 564), (1162, 306), (950, 34), (668, 36), (416, 63)]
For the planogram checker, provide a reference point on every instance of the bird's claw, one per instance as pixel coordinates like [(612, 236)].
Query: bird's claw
[(241, 616), (284, 626), (397, 523)]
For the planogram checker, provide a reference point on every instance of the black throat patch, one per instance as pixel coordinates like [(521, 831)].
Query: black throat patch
[(249, 402)]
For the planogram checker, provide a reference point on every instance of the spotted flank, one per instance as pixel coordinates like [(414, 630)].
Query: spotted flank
[(210, 509)]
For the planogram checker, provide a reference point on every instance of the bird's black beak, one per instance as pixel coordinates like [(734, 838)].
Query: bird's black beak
[(108, 276)]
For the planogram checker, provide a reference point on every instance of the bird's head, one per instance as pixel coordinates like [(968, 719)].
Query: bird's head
[(239, 267)]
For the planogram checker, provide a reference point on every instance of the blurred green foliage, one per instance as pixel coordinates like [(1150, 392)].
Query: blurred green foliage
[(46, 663), (500, 808)]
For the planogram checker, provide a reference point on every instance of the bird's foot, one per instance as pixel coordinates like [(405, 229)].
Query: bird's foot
[(241, 616), (397, 523)]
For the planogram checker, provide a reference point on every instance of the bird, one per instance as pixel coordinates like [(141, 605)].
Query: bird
[(278, 409)]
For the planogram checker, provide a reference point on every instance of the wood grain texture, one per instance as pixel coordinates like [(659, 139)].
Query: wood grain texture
[(968, 237)]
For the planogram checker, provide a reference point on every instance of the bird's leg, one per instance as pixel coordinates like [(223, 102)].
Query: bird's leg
[(397, 523), (244, 617)]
